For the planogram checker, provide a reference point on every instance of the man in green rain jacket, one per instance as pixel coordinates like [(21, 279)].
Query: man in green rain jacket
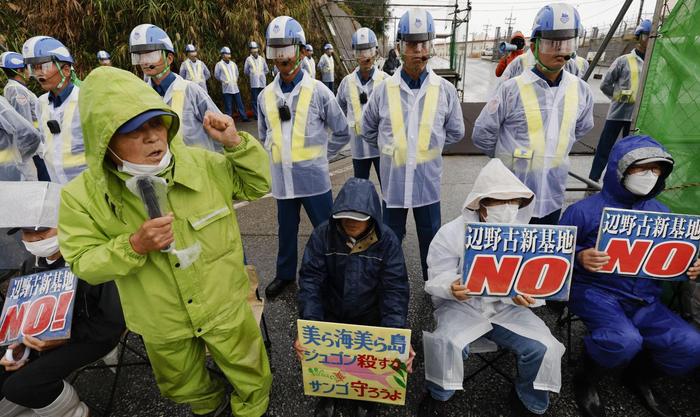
[(179, 304)]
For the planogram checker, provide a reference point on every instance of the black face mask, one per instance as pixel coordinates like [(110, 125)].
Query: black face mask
[(520, 43), (363, 97), (285, 113)]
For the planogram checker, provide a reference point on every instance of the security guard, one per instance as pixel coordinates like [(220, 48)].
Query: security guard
[(354, 92), (309, 63), (295, 113), (192, 69), (326, 66), (255, 68), (533, 120), (104, 58), (152, 50), (51, 64), (409, 118), (621, 85), (226, 71)]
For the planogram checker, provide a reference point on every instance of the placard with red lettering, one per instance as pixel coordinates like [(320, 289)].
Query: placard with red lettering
[(39, 305), (648, 244), (504, 260), (354, 362)]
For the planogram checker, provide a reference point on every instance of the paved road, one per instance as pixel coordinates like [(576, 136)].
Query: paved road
[(483, 396)]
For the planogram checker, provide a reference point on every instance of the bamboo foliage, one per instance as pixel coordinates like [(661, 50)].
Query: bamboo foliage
[(87, 26)]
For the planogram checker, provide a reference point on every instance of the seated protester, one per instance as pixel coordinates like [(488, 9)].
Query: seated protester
[(36, 386), (180, 275), (497, 197), (353, 271), (628, 324)]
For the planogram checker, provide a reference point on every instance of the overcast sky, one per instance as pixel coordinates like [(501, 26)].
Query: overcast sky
[(493, 12)]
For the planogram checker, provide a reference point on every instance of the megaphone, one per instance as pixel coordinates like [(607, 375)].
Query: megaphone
[(504, 47)]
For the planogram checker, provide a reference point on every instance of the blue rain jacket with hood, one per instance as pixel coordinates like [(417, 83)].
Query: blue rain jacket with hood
[(624, 315), (366, 284)]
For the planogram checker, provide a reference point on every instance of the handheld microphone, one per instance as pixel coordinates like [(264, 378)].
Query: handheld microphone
[(148, 195)]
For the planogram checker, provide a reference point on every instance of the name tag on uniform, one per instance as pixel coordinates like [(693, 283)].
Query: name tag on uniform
[(522, 153), (388, 149)]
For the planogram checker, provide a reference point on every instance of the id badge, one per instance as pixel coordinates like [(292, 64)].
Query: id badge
[(522, 153), (388, 149)]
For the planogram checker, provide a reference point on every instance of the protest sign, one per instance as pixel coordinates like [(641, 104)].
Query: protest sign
[(39, 305), (503, 260), (648, 244), (354, 362)]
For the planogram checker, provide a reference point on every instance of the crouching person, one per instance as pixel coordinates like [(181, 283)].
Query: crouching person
[(497, 197), (353, 272), (36, 386), (180, 275), (629, 327)]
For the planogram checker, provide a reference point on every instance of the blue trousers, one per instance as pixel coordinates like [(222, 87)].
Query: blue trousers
[(530, 354), (254, 93), (608, 137), (330, 85), (228, 105), (363, 166), (552, 218), (427, 225), (317, 207), (619, 328)]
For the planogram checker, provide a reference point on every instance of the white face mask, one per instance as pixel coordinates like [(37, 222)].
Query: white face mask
[(641, 183), (141, 169), (43, 248), (502, 213)]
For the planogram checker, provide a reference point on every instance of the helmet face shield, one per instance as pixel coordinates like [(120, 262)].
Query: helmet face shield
[(417, 48), (558, 47), (362, 54), (40, 69), (282, 52), (146, 58)]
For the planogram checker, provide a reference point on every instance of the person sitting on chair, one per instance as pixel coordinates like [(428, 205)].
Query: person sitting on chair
[(498, 196), (36, 386), (629, 327), (353, 271)]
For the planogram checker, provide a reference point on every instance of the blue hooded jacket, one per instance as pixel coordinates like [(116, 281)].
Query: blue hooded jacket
[(368, 286), (586, 214)]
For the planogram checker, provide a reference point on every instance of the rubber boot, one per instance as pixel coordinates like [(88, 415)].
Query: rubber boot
[(66, 405), (586, 388), (638, 377)]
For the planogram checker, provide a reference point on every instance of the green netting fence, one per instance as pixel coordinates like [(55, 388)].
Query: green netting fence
[(670, 107)]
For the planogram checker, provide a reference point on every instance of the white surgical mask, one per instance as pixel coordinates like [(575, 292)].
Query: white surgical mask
[(141, 169), (641, 183), (43, 248), (502, 213)]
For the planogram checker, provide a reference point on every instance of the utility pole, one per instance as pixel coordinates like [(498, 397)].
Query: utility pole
[(510, 21), (639, 16)]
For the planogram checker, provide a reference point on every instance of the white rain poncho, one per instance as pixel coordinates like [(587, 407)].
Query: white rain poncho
[(22, 99), (19, 140), (461, 322), (527, 60), (196, 72), (190, 102), (348, 97), (326, 66), (534, 139), (64, 152), (227, 74), (256, 70), (621, 85), (309, 65), (410, 136), (299, 148)]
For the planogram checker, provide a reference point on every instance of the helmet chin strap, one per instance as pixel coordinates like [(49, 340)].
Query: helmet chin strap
[(298, 62), (165, 69), (539, 62)]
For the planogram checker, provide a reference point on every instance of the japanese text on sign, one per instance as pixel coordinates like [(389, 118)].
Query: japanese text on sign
[(507, 260), (354, 362)]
